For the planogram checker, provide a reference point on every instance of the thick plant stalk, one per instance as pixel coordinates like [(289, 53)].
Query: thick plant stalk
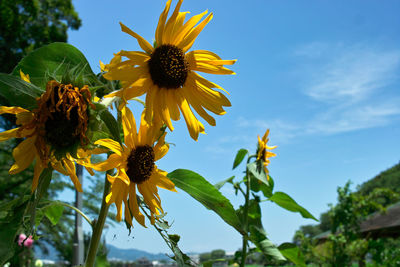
[(246, 219), (98, 227)]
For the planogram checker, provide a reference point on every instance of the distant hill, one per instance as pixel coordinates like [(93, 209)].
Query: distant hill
[(114, 253), (386, 179), (132, 254)]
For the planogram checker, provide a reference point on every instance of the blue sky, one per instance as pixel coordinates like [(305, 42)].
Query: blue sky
[(322, 75)]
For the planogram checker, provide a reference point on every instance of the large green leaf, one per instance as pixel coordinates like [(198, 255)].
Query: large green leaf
[(16, 92), (239, 157), (259, 238), (292, 253), (253, 214), (288, 203), (111, 124), (204, 192), (53, 212), (53, 59)]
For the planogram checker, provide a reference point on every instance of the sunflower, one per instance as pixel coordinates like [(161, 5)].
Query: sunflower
[(135, 164), (167, 72), (262, 151), (51, 131)]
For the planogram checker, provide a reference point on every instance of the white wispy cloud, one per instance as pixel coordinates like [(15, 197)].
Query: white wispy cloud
[(352, 85), (353, 75)]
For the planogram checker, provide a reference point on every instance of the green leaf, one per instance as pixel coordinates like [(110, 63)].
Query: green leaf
[(44, 182), (292, 253), (53, 212), (111, 124), (254, 213), (286, 202), (204, 192), (239, 157), (259, 179), (10, 226), (259, 238), (17, 92), (222, 183), (55, 59), (181, 258)]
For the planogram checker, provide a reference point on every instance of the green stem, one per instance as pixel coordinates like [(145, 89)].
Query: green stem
[(98, 227), (246, 218), (78, 211)]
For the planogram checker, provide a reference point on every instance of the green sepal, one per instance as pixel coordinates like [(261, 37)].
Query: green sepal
[(204, 192), (55, 61), (16, 92), (219, 185), (292, 253), (285, 201), (239, 157)]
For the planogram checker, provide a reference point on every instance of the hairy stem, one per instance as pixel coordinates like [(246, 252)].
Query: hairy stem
[(246, 218), (98, 227), (78, 211)]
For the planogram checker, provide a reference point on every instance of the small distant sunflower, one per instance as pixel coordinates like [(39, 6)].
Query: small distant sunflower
[(135, 164), (168, 74), (262, 153), (58, 124)]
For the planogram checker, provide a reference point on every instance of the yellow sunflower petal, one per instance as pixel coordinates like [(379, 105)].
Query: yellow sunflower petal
[(149, 197), (163, 181), (112, 162), (161, 149), (23, 154), (36, 173), (193, 101), (6, 135), (12, 110), (133, 205), (171, 105), (71, 170), (150, 105), (166, 38), (136, 57), (187, 27), (188, 41), (161, 24), (24, 76), (128, 217), (111, 144), (24, 118), (129, 127), (162, 106), (142, 42), (193, 125)]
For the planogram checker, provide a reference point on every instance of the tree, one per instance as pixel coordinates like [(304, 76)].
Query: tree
[(28, 24), (24, 26)]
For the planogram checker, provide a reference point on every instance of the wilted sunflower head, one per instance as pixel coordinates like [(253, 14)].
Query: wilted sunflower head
[(62, 116), (262, 151)]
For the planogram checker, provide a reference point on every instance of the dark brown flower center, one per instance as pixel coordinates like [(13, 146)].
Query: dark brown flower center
[(62, 115), (168, 67), (140, 164)]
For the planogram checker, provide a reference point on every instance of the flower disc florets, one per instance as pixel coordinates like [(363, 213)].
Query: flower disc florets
[(168, 67), (140, 164)]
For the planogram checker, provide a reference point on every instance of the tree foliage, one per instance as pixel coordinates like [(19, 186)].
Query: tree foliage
[(28, 24)]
